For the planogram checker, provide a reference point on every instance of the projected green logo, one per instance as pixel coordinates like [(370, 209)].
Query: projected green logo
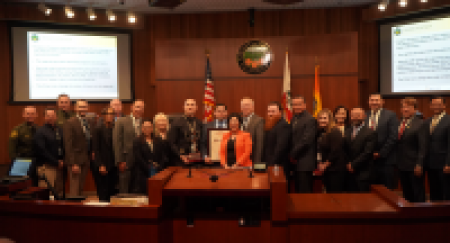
[(397, 31), (34, 37)]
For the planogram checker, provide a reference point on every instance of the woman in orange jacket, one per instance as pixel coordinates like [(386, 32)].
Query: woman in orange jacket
[(236, 145)]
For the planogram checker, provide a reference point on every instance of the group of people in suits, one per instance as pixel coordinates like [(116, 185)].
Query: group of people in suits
[(350, 149)]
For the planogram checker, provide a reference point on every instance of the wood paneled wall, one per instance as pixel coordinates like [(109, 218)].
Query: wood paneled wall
[(181, 70), (158, 92)]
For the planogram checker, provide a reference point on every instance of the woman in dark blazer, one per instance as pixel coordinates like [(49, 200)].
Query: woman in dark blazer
[(342, 118), (151, 155), (104, 155), (332, 158)]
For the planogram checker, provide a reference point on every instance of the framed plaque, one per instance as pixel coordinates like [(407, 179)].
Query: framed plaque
[(214, 138)]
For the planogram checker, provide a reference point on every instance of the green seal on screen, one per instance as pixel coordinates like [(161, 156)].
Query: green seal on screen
[(254, 57)]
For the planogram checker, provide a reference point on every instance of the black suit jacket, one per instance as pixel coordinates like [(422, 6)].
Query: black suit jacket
[(144, 158), (387, 133), (47, 145), (360, 151), (332, 148), (102, 146), (276, 144), (439, 144), (178, 135), (413, 145), (304, 141)]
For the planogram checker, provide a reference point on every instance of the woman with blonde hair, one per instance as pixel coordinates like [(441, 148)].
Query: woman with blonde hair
[(161, 122), (331, 155)]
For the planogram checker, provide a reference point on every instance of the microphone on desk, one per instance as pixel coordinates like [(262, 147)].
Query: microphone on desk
[(250, 174), (190, 172)]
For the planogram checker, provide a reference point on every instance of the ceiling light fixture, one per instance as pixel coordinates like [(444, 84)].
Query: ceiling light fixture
[(69, 12), (46, 10), (91, 13), (110, 15), (382, 6), (402, 3), (131, 17)]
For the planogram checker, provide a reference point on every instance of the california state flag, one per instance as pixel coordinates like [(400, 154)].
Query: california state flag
[(287, 109)]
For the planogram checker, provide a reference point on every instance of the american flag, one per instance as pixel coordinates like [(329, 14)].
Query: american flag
[(209, 100)]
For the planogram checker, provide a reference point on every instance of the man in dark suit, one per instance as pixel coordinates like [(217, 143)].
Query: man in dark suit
[(50, 151), (412, 147), (125, 130), (220, 121), (303, 151), (104, 165), (361, 142), (254, 125), (186, 132), (77, 144), (277, 137), (438, 157), (385, 123)]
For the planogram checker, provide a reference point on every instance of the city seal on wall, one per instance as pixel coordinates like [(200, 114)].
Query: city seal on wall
[(254, 57)]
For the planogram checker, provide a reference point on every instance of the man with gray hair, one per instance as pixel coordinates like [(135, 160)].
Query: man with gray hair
[(254, 125), (125, 130)]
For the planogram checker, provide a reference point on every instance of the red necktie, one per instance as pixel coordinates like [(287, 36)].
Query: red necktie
[(402, 129), (372, 125)]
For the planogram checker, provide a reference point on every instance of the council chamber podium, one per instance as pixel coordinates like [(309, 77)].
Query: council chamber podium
[(218, 205)]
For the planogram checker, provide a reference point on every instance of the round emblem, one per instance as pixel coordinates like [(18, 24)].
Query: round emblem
[(254, 57)]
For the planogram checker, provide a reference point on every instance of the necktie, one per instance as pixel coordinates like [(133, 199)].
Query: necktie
[(433, 124), (355, 131), (137, 126), (402, 129), (87, 133), (372, 122), (245, 125)]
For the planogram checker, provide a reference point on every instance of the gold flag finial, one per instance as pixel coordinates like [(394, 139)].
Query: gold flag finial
[(287, 49), (207, 52)]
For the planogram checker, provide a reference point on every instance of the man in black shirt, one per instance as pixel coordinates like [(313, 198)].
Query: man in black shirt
[(277, 137), (185, 133), (49, 151)]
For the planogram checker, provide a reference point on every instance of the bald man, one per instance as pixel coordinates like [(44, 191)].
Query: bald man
[(116, 105), (361, 141), (64, 111), (125, 130), (21, 140), (185, 133)]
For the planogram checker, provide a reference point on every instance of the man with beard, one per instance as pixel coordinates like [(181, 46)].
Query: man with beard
[(276, 137), (361, 141)]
